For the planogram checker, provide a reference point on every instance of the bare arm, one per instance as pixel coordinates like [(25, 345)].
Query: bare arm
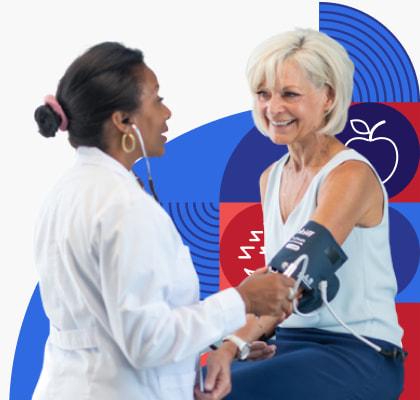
[(350, 196)]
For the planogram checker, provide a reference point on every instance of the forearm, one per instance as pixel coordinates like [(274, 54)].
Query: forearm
[(257, 327), (253, 330)]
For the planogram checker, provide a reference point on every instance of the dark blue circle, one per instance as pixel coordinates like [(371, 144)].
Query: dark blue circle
[(405, 248), (380, 152)]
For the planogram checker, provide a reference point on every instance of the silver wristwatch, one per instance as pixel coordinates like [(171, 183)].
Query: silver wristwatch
[(243, 347)]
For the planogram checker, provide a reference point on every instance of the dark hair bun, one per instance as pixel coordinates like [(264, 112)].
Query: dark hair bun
[(48, 121)]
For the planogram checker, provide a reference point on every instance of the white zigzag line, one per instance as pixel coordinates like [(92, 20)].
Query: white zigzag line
[(255, 237), (246, 255)]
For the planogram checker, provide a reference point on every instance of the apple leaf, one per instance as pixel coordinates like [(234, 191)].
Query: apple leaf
[(361, 123)]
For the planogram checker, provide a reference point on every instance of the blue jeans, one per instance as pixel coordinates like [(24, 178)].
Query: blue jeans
[(319, 365)]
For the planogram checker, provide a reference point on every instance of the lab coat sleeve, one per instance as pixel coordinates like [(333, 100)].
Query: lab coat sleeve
[(136, 252)]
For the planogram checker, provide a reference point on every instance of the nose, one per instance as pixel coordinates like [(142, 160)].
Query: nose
[(275, 105), (168, 112)]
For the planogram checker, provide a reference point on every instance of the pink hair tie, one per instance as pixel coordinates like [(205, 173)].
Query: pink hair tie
[(55, 105)]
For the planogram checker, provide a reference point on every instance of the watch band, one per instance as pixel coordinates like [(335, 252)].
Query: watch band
[(243, 346)]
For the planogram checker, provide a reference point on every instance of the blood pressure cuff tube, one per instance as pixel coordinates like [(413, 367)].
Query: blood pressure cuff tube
[(325, 256)]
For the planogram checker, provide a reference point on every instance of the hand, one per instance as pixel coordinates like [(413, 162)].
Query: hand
[(217, 383), (266, 293), (261, 351)]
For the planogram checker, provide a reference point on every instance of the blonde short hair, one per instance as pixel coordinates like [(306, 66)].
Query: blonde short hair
[(324, 61)]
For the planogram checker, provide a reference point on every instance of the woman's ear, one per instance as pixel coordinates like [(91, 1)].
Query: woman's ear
[(330, 93), (121, 121)]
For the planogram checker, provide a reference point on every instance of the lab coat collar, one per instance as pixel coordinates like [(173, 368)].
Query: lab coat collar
[(95, 156)]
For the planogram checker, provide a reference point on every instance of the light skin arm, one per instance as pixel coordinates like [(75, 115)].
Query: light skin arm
[(355, 188), (218, 380), (350, 196)]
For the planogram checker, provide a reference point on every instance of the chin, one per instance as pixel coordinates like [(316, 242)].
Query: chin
[(158, 152), (279, 139)]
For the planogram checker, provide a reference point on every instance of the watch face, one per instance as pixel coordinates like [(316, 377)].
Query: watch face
[(244, 352)]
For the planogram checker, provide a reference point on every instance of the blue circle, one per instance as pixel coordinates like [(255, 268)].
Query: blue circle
[(388, 144)]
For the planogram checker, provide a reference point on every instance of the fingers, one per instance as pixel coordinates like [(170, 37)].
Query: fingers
[(213, 371), (261, 351), (287, 308), (266, 293), (198, 395), (260, 271), (286, 280), (282, 317), (223, 384), (218, 387)]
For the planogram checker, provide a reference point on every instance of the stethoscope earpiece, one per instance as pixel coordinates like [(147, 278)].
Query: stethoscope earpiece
[(149, 169)]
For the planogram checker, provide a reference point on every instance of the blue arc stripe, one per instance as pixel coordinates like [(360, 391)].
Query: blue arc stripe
[(363, 29), (184, 221), (375, 35), (205, 222), (190, 241), (214, 234), (214, 208), (391, 68), (181, 224), (209, 267), (378, 72)]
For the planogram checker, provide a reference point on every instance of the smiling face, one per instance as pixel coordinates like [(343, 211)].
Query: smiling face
[(152, 114), (294, 108)]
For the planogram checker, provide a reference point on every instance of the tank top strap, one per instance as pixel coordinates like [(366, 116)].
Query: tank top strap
[(339, 158), (273, 181)]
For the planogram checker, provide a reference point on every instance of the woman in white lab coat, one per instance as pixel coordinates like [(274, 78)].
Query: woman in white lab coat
[(116, 281)]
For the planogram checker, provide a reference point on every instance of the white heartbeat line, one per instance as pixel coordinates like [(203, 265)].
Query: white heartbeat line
[(255, 237), (249, 271), (246, 255)]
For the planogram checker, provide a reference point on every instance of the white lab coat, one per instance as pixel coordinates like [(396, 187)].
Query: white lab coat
[(120, 290)]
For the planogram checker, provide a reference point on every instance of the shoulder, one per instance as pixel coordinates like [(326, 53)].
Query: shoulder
[(351, 175), (350, 196), (265, 175)]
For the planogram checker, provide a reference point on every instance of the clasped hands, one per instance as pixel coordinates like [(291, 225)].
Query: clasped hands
[(217, 383)]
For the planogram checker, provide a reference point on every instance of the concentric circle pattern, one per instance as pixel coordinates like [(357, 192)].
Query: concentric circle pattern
[(198, 224), (384, 71)]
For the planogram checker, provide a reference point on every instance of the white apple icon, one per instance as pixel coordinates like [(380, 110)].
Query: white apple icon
[(369, 133)]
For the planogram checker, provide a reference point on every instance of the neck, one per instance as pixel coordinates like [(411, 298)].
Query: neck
[(127, 160), (312, 152)]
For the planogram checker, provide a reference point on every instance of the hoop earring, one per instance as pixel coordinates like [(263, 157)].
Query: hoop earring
[(124, 142)]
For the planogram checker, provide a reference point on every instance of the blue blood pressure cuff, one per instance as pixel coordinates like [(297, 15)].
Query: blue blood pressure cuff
[(325, 256)]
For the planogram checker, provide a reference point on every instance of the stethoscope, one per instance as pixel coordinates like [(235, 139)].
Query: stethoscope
[(148, 168)]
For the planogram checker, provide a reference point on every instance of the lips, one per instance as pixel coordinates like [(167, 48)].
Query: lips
[(164, 137), (283, 122)]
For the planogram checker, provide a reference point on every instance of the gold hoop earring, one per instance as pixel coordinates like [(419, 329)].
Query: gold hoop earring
[(124, 142)]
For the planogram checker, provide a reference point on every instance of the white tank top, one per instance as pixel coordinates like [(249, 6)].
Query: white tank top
[(365, 300)]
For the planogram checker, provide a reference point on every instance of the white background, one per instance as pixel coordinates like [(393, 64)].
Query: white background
[(198, 50)]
